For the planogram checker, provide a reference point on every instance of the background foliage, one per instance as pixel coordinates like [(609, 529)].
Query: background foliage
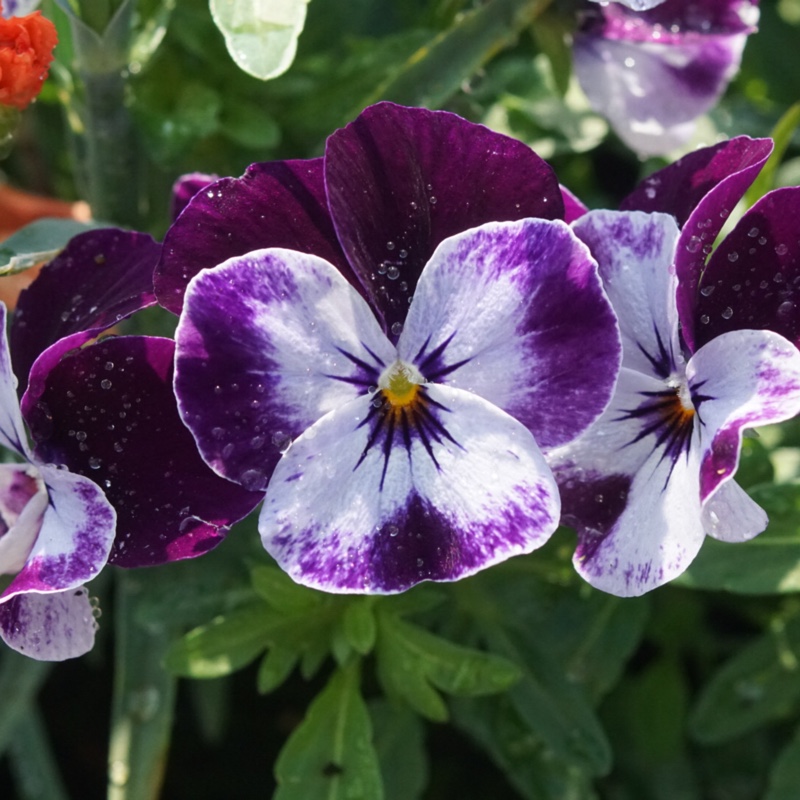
[(521, 681)]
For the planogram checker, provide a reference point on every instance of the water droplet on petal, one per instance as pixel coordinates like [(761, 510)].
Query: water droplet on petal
[(727, 312)]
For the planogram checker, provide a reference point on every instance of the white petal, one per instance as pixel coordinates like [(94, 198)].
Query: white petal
[(731, 515)]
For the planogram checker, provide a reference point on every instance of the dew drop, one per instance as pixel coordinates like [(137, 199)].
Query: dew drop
[(694, 244), (705, 319), (781, 249), (105, 383), (753, 232), (397, 328), (403, 254), (727, 312), (707, 291), (252, 479), (95, 463), (80, 436), (390, 245), (393, 273)]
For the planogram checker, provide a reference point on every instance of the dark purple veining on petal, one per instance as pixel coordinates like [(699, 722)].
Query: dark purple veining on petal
[(592, 504), (400, 180), (395, 428), (276, 204), (752, 280), (108, 412), (100, 278)]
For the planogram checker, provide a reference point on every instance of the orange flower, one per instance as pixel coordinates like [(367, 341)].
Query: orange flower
[(26, 50)]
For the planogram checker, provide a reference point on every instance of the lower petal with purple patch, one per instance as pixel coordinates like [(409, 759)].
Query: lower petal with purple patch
[(49, 627), (75, 537), (731, 515), (372, 499)]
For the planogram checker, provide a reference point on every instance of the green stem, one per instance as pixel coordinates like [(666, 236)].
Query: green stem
[(144, 697)]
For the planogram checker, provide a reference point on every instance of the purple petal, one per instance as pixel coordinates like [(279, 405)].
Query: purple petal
[(107, 411), (185, 188), (49, 627), (347, 513), (751, 378), (401, 180), (278, 204), (711, 179), (573, 207), (100, 278), (753, 277), (634, 252), (515, 313), (75, 537), (267, 344)]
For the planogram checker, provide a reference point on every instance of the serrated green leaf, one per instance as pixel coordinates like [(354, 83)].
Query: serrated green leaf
[(281, 592), (784, 777), (399, 736), (759, 684), (330, 755), (226, 644), (40, 241), (275, 667), (769, 564), (359, 625), (412, 661), (261, 35), (530, 766)]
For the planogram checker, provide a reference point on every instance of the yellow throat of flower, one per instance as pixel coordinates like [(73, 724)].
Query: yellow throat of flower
[(400, 383)]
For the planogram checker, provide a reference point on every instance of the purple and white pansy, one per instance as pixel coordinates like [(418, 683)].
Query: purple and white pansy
[(388, 461), (56, 530), (709, 350), (653, 68)]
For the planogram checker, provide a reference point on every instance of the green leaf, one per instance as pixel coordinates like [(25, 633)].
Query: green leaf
[(330, 755), (782, 136), (40, 241), (33, 760), (261, 35), (769, 564), (785, 775), (359, 625), (226, 644), (400, 744), (551, 32), (530, 766), (20, 680), (412, 661), (275, 668), (759, 684), (436, 71), (281, 592)]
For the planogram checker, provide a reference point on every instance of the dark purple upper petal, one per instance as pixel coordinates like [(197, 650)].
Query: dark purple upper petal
[(276, 204), (752, 280), (400, 180), (719, 174), (107, 411), (100, 277), (185, 188)]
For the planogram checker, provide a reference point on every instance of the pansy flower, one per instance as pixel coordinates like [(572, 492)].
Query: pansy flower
[(386, 371), (56, 530), (106, 409), (652, 72), (709, 350)]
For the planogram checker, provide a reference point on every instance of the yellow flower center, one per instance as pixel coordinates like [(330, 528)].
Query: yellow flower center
[(400, 383)]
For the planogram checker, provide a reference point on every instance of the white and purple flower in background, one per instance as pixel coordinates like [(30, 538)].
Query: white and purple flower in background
[(388, 368), (653, 68), (56, 531), (709, 350)]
